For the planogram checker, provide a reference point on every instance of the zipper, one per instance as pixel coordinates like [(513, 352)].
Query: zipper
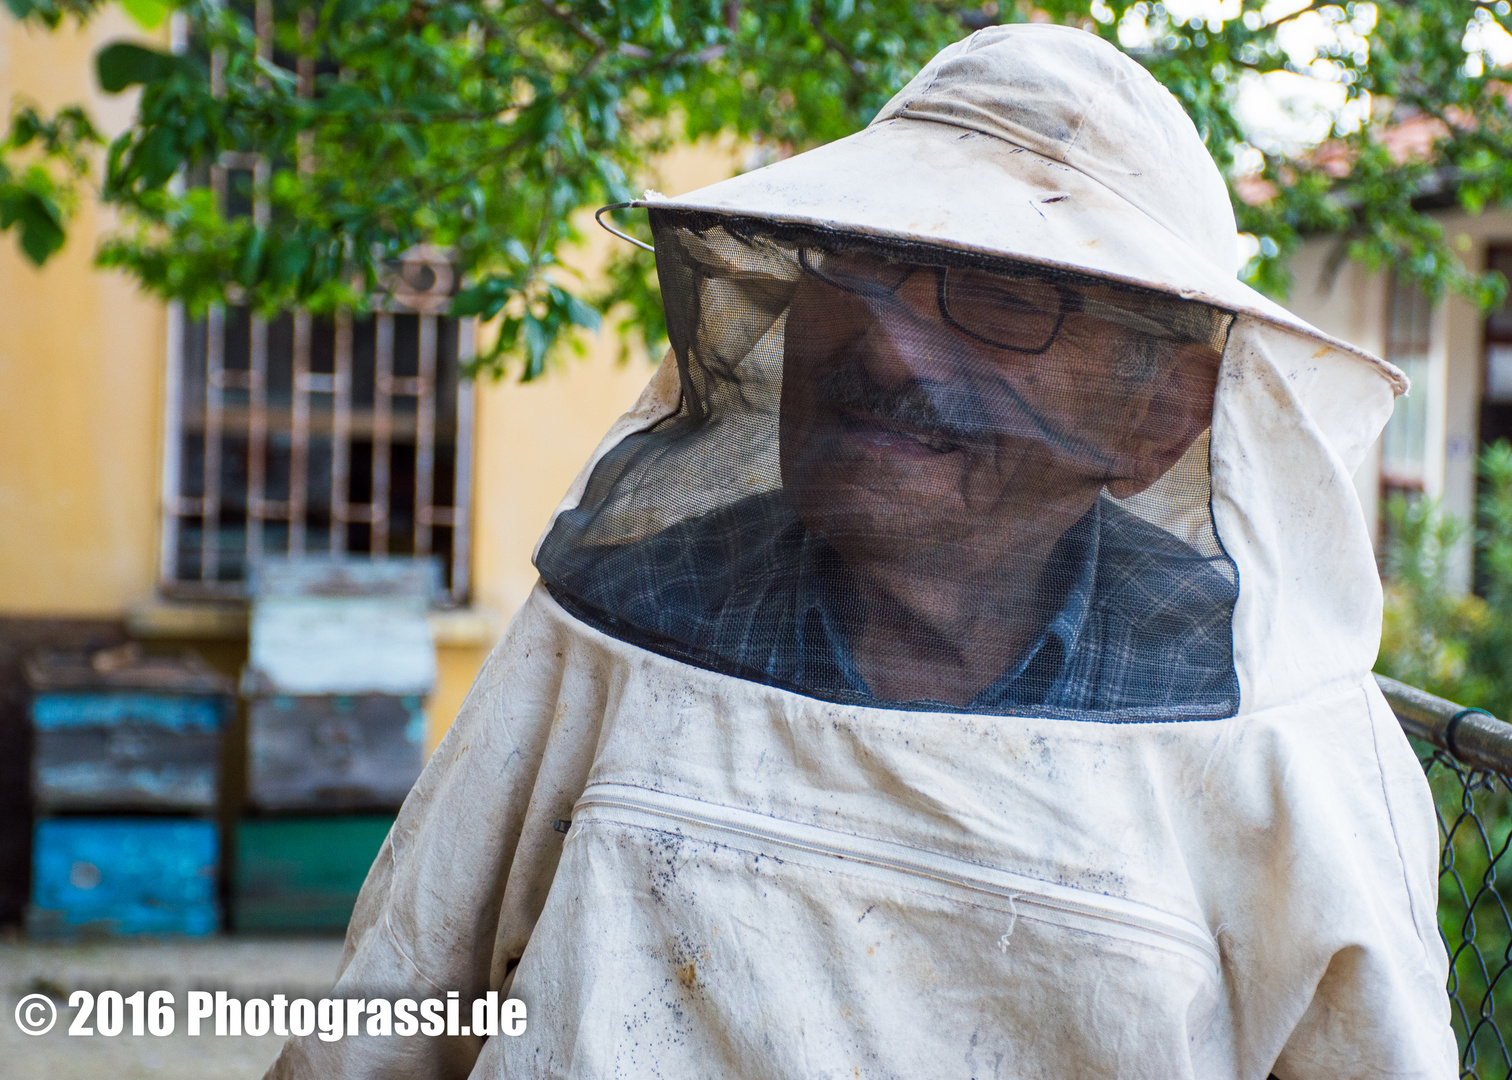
[(1025, 897)]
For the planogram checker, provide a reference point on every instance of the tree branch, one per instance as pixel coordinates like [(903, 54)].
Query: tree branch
[(567, 19), (591, 36), (1291, 16)]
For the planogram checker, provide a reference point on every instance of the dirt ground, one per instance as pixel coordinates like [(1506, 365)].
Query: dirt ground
[(244, 967)]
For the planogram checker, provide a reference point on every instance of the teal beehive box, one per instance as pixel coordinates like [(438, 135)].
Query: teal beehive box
[(302, 874)]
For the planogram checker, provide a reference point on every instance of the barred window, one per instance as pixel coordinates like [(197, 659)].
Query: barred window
[(1404, 443), (299, 434)]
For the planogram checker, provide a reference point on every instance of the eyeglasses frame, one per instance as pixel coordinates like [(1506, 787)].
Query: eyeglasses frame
[(942, 299)]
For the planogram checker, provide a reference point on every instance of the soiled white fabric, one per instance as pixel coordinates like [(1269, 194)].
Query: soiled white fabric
[(757, 883)]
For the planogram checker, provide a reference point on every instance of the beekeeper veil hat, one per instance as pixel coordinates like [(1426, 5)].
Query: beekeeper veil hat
[(971, 413)]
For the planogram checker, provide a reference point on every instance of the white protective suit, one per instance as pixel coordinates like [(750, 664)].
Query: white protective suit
[(1180, 833)]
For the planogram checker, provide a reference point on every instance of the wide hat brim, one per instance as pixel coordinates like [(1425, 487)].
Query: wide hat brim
[(935, 183)]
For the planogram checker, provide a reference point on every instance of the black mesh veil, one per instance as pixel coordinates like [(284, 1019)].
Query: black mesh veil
[(904, 476)]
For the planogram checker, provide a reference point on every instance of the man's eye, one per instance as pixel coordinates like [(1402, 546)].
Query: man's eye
[(1013, 315), (1009, 300)]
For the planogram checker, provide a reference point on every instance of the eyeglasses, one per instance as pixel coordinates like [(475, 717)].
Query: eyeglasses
[(1022, 315)]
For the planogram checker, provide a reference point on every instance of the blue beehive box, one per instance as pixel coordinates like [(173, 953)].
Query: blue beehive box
[(121, 876), (120, 730)]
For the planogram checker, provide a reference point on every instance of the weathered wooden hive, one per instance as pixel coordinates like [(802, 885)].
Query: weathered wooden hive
[(108, 876), (119, 730), (342, 657), (302, 874)]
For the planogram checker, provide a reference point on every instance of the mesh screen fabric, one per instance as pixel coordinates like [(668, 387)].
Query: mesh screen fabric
[(903, 476)]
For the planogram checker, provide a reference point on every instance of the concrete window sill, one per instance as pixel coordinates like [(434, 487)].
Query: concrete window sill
[(218, 620)]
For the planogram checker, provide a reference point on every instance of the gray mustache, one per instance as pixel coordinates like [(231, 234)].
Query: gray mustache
[(943, 413)]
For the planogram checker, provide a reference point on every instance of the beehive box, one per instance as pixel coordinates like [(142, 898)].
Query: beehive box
[(333, 751), (123, 876), (119, 730), (341, 657), (322, 625), (302, 874)]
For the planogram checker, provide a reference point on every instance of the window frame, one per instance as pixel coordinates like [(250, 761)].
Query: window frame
[(376, 513), (1414, 354)]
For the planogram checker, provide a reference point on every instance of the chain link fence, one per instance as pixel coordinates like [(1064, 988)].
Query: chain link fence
[(1467, 756)]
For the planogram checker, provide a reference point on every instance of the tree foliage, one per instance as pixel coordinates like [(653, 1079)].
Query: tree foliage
[(1420, 123), (41, 159), (1453, 644), (480, 126)]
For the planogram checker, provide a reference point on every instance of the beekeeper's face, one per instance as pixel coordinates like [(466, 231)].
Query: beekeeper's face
[(922, 405)]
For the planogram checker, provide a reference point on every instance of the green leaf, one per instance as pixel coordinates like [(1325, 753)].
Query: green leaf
[(289, 262), (37, 217), (125, 64), (249, 270), (148, 14), (51, 12), (486, 298), (537, 341), (577, 312)]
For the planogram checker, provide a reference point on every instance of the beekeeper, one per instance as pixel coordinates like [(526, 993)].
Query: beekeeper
[(958, 662)]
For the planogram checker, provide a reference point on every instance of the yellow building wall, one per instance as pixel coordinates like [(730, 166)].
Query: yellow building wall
[(82, 359), (81, 372)]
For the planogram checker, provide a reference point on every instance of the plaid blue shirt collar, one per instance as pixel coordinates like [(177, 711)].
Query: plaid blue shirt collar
[(1143, 632), (821, 631)]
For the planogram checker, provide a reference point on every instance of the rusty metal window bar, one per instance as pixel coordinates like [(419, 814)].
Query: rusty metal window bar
[(304, 435), (1467, 756)]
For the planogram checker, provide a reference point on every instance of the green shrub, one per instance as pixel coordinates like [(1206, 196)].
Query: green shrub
[(1453, 644)]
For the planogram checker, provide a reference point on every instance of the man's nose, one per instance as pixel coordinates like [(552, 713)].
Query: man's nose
[(907, 340)]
